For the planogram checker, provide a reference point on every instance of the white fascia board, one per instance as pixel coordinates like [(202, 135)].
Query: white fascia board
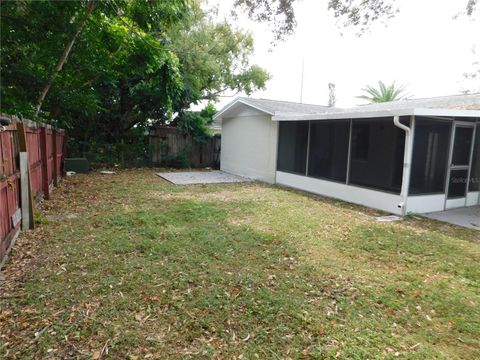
[(343, 115), (225, 109), (377, 113), (219, 115), (447, 112)]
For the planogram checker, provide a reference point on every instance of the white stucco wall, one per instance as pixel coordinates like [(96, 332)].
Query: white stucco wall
[(249, 145)]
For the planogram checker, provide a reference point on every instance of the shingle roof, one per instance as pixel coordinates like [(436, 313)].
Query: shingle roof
[(277, 106), (460, 102), (455, 105)]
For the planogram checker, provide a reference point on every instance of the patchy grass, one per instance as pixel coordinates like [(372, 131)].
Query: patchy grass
[(129, 266)]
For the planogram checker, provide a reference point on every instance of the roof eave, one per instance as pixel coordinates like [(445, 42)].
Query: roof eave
[(219, 115), (377, 113)]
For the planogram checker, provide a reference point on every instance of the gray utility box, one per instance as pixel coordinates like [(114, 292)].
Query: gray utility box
[(79, 165)]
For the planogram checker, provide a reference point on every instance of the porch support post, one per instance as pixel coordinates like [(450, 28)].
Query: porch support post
[(407, 160)]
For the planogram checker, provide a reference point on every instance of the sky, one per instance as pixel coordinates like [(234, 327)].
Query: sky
[(423, 48)]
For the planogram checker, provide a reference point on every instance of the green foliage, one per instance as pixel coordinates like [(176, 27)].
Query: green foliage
[(384, 93), (214, 57), (134, 63), (197, 123), (179, 161), (131, 151), (39, 219)]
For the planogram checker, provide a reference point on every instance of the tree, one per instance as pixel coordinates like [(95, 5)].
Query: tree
[(214, 58), (63, 58), (358, 14), (278, 12), (384, 93), (123, 65), (196, 123), (113, 47), (472, 76)]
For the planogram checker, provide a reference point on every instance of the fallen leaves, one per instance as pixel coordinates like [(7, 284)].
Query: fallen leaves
[(148, 270)]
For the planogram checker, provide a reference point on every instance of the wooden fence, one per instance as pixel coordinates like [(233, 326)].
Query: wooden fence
[(43, 149), (169, 147)]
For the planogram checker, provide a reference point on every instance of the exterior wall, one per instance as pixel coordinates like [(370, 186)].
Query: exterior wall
[(421, 204), (473, 198), (371, 198), (357, 195), (249, 146)]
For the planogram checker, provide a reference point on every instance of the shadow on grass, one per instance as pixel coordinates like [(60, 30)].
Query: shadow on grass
[(176, 278)]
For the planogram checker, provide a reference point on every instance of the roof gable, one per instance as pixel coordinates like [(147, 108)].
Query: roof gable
[(269, 107)]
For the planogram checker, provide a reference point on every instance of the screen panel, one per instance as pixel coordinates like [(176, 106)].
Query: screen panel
[(377, 154), (475, 172), (462, 145), (292, 146), (328, 153), (431, 146), (458, 184)]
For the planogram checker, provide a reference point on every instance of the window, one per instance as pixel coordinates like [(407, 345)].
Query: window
[(377, 154), (328, 154), (475, 172), (292, 146), (430, 156)]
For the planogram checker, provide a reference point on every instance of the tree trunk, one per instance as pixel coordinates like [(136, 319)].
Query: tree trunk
[(63, 58)]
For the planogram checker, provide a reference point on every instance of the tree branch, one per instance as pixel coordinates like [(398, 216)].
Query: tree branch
[(63, 58)]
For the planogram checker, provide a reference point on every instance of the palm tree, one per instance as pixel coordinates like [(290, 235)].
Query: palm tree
[(384, 93)]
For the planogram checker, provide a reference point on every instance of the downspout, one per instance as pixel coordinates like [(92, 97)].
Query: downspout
[(407, 156)]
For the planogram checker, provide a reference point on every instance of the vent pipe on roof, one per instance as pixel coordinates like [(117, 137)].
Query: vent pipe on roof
[(332, 98)]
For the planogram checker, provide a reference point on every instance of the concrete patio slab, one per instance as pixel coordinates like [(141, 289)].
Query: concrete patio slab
[(201, 177), (468, 217)]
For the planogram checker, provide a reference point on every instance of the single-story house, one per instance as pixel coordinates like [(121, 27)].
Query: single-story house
[(411, 156)]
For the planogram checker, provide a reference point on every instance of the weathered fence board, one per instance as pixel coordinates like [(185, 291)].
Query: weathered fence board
[(44, 162), (167, 144), (9, 184)]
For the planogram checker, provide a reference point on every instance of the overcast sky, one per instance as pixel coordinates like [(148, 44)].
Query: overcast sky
[(423, 47)]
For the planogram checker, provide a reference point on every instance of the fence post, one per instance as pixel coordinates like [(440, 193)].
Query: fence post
[(24, 191), (25, 182), (44, 155)]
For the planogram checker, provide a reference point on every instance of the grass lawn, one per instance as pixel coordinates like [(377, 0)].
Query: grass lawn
[(131, 267)]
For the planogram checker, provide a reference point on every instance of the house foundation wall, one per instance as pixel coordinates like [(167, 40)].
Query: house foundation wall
[(371, 198)]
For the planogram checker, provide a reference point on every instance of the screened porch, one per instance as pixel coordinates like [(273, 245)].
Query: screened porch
[(418, 163)]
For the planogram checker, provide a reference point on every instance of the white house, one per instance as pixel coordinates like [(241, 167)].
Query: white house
[(412, 156)]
